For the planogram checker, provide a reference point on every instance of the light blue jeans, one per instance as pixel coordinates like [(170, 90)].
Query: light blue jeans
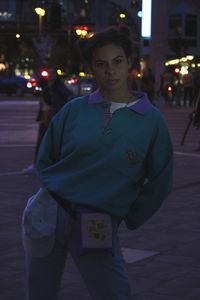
[(103, 273)]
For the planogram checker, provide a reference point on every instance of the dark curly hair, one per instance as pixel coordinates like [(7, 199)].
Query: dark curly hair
[(117, 36)]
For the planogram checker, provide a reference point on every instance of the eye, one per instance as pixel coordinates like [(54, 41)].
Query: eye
[(99, 64), (118, 61)]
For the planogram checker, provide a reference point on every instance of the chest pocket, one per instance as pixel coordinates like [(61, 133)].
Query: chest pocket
[(128, 158)]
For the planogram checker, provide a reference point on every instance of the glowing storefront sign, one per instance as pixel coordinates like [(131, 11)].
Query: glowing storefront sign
[(146, 18)]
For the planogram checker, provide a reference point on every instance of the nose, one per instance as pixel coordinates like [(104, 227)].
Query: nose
[(109, 69)]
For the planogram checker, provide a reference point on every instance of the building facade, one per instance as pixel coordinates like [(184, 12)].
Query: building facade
[(175, 25), (175, 32)]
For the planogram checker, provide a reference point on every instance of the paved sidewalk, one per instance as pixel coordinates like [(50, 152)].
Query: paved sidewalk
[(162, 257)]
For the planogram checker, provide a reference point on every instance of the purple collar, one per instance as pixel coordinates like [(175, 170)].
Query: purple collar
[(141, 106)]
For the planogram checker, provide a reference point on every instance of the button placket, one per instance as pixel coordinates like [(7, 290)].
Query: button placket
[(106, 113)]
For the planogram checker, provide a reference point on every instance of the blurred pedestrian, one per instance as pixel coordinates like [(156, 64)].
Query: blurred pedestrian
[(106, 157), (54, 95), (196, 84), (43, 118), (59, 93), (167, 86), (196, 118), (148, 83), (188, 85)]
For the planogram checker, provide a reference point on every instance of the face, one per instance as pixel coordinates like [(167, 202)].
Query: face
[(111, 67)]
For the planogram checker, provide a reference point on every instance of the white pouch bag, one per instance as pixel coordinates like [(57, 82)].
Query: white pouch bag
[(39, 224)]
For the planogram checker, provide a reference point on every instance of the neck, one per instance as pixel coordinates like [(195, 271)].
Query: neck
[(119, 97)]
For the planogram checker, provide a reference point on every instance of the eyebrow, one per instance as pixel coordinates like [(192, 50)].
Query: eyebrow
[(102, 60)]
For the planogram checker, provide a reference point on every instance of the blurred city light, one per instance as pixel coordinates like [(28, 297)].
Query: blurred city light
[(27, 75), (2, 67), (169, 88), (78, 31), (5, 15), (72, 80), (177, 70), (18, 35), (29, 85), (90, 34), (122, 16), (44, 73), (190, 57), (146, 18), (82, 31), (82, 74), (184, 70), (184, 59), (40, 11), (176, 61)]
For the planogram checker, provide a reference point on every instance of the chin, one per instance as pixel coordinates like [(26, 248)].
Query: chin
[(112, 87)]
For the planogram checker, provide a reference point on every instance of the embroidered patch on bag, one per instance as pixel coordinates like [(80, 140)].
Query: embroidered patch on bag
[(93, 231), (96, 230)]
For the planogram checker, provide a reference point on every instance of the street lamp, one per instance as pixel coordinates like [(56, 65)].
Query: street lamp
[(122, 16), (41, 13)]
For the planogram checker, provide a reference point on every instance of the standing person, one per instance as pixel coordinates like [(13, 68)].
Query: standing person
[(106, 157), (196, 82), (188, 85), (55, 94), (167, 86), (148, 83), (43, 118), (59, 93), (196, 118)]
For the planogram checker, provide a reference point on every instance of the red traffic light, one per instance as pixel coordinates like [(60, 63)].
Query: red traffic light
[(44, 73), (169, 88), (177, 70)]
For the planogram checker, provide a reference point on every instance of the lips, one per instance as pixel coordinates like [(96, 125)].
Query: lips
[(113, 81)]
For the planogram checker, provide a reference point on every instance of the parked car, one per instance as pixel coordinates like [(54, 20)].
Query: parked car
[(16, 85), (80, 85), (34, 87)]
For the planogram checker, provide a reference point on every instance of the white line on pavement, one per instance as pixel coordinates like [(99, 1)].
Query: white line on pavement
[(16, 145), (187, 154), (18, 125), (11, 173), (19, 102)]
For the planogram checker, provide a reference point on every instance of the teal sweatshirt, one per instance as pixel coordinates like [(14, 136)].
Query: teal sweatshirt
[(124, 169)]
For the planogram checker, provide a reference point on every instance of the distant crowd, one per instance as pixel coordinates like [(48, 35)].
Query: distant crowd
[(175, 88)]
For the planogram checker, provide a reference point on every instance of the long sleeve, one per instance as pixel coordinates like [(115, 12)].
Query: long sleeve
[(49, 151), (159, 179)]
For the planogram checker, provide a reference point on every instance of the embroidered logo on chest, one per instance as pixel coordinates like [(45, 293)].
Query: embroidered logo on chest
[(133, 157)]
